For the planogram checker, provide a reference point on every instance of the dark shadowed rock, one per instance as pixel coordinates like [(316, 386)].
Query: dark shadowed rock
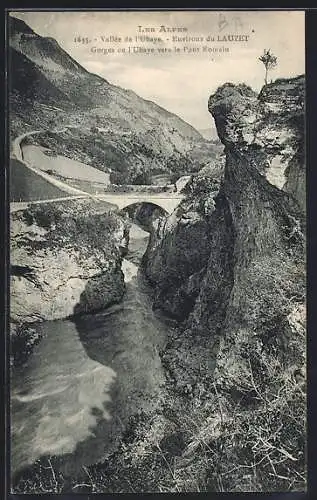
[(179, 246)]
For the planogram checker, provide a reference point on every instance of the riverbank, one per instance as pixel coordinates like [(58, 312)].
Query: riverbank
[(104, 373), (65, 259)]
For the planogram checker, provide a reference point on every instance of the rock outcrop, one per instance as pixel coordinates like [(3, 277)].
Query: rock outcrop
[(267, 128), (179, 246), (230, 261), (65, 259)]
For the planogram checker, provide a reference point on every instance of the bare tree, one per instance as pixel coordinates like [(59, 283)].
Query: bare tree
[(269, 60)]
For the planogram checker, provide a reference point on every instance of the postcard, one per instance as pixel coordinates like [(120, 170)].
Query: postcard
[(157, 251)]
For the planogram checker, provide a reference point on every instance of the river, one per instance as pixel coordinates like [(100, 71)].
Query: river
[(74, 395)]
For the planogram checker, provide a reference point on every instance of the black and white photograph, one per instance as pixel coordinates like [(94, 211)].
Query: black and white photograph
[(157, 179)]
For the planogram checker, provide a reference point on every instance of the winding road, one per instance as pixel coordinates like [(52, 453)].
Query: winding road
[(17, 153), (167, 201)]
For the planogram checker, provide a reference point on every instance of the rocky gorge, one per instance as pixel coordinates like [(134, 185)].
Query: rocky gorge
[(227, 271)]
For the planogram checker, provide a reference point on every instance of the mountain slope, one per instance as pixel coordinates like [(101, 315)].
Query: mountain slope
[(118, 130)]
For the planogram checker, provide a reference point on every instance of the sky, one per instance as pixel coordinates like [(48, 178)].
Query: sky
[(180, 82)]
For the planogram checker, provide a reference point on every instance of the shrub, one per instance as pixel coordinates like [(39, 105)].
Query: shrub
[(67, 225), (23, 340)]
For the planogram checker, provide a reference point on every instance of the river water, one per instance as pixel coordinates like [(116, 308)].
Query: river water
[(85, 378)]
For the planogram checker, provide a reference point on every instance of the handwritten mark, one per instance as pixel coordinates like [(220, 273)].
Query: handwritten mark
[(222, 22)]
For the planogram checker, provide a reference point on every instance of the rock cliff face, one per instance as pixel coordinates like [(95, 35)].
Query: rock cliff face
[(179, 246), (267, 128), (230, 261), (65, 259)]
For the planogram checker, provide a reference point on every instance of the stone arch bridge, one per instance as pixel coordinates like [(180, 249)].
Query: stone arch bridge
[(167, 201)]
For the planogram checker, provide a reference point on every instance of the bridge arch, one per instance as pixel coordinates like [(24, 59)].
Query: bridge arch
[(144, 213), (150, 205), (167, 201)]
